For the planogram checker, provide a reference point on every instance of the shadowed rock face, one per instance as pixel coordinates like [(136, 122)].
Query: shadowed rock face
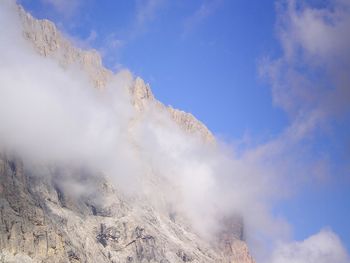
[(43, 221)]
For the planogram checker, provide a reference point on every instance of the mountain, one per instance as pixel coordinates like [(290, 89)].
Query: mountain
[(43, 220)]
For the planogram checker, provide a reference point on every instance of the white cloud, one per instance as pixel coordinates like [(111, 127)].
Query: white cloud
[(56, 108), (319, 33), (311, 77), (323, 247), (310, 80)]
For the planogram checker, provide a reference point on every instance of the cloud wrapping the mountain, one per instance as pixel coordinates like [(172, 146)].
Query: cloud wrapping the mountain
[(50, 114), (53, 114)]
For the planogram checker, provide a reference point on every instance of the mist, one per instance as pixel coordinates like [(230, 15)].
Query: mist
[(54, 115)]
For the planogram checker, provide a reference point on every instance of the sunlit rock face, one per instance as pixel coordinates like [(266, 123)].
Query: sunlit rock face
[(43, 220), (49, 42), (142, 96)]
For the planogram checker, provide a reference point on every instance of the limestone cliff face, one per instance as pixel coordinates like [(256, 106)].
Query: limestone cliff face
[(43, 221), (48, 41)]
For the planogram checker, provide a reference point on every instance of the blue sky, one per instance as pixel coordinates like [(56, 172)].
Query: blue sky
[(175, 48), (206, 57)]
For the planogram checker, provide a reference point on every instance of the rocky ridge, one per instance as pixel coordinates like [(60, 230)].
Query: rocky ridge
[(42, 221)]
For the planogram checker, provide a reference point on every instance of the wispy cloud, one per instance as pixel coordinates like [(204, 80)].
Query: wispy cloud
[(144, 13), (312, 75), (310, 82), (110, 48), (206, 9), (65, 8), (146, 10), (81, 42), (112, 43)]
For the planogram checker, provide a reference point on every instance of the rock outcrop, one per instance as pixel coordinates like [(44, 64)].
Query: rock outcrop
[(143, 96), (42, 220)]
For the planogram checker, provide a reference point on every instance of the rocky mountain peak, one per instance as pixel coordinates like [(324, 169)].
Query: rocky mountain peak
[(49, 42)]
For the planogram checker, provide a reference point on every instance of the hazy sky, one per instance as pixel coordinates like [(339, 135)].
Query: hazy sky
[(261, 74)]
